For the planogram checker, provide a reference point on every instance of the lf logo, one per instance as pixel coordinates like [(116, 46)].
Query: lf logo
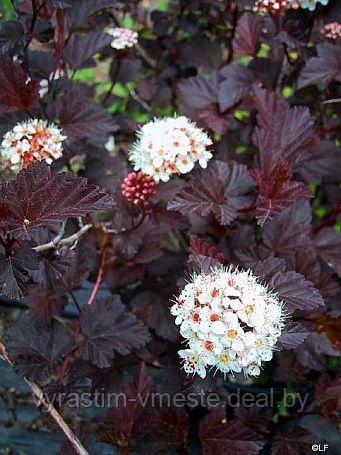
[(319, 447)]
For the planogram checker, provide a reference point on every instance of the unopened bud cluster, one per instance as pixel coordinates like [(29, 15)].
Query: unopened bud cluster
[(230, 321), (123, 37), (138, 188), (170, 146), (34, 140)]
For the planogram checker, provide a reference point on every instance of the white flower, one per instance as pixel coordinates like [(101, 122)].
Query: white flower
[(123, 37), (193, 363), (44, 83), (310, 4), (34, 140), (272, 6), (229, 320), (170, 146)]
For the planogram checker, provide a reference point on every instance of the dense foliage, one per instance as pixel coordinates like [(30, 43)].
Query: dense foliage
[(94, 254)]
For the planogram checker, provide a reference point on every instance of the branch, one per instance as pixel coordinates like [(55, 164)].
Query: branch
[(145, 56), (50, 409), (67, 241), (332, 101)]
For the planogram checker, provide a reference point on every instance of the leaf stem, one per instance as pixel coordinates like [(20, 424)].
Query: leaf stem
[(100, 276)]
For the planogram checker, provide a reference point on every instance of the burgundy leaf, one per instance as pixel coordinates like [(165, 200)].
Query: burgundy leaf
[(247, 34), (16, 270), (222, 437), (268, 268), (17, 92), (80, 117), (36, 351), (294, 441), (277, 191), (235, 85), (39, 198), (198, 93), (81, 47), (203, 256), (132, 417), (222, 190), (328, 245), (322, 69), (321, 163), (154, 310), (289, 231), (214, 119), (292, 336), (282, 133), (43, 308), (107, 328), (297, 293)]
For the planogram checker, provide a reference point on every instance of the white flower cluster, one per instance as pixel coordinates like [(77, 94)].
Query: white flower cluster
[(332, 31), (309, 4), (272, 6), (170, 146), (34, 140), (123, 37), (230, 321)]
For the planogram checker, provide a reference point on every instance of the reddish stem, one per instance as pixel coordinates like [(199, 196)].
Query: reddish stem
[(100, 277)]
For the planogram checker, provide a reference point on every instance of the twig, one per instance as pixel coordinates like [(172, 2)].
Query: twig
[(67, 241), (145, 56), (139, 100), (331, 101), (100, 277), (51, 410)]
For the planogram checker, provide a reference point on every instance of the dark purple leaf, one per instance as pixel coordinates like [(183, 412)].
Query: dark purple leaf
[(328, 245), (107, 328), (282, 133), (80, 117), (11, 36), (82, 46), (132, 421), (17, 92), (222, 190), (277, 191), (39, 198), (198, 93), (237, 81), (322, 69), (297, 293), (203, 256), (247, 34), (293, 440), (222, 437), (321, 163), (289, 231), (16, 270), (37, 351), (292, 336), (43, 308)]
